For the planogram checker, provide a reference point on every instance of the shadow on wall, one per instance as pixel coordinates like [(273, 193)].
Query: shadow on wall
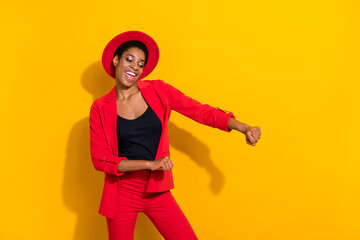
[(197, 151), (82, 184)]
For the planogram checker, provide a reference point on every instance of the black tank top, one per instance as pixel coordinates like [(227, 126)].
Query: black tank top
[(138, 139)]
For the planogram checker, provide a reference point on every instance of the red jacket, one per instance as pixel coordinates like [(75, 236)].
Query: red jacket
[(162, 98)]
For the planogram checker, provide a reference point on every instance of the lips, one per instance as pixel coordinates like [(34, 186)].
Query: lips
[(130, 75)]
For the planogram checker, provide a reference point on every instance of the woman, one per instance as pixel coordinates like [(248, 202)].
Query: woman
[(129, 139)]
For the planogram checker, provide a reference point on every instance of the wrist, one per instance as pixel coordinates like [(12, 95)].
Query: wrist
[(148, 164), (243, 128), (237, 125)]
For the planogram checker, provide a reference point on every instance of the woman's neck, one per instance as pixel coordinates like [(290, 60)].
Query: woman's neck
[(125, 93)]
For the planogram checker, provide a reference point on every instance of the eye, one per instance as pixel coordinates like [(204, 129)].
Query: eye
[(128, 60), (141, 65)]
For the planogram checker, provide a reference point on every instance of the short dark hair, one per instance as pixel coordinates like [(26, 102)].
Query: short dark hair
[(129, 44)]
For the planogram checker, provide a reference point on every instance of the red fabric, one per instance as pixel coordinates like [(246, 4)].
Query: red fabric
[(161, 208), (162, 98)]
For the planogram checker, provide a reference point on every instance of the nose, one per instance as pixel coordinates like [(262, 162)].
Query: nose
[(134, 66)]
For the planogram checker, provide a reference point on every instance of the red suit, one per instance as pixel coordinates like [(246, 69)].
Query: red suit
[(162, 98)]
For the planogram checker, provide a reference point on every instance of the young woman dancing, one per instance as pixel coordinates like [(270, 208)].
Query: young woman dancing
[(129, 139)]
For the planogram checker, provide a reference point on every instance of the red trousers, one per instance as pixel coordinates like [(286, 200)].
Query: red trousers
[(161, 208)]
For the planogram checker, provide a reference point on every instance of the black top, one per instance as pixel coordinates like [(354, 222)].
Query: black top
[(138, 139)]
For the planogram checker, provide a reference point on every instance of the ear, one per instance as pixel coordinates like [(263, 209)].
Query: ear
[(115, 60)]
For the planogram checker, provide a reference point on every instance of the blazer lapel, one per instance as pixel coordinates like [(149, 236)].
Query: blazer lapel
[(154, 103), (110, 119)]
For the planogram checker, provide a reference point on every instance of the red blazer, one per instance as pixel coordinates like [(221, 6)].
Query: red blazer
[(162, 98)]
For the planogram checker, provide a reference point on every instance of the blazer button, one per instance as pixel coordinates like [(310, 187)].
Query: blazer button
[(103, 157)]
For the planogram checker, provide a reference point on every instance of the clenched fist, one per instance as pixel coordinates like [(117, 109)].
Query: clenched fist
[(252, 135), (161, 164)]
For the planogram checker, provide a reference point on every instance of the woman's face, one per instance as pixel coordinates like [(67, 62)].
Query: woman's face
[(130, 66)]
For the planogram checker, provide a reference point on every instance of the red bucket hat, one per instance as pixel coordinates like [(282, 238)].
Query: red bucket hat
[(111, 47)]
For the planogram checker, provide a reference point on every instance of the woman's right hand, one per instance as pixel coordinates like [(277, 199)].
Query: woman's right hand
[(161, 164)]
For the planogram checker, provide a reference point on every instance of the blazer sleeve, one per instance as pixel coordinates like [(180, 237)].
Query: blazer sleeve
[(202, 113), (101, 155)]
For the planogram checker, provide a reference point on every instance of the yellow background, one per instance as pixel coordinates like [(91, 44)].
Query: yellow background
[(290, 67)]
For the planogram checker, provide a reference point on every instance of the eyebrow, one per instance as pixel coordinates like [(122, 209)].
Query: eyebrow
[(134, 57)]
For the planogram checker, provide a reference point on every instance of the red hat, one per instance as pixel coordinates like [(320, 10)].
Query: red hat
[(111, 47)]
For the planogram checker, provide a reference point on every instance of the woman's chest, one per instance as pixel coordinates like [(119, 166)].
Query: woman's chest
[(132, 108)]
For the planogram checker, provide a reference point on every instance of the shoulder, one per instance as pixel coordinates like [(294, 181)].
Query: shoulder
[(105, 98), (155, 85), (151, 83), (158, 85), (99, 100)]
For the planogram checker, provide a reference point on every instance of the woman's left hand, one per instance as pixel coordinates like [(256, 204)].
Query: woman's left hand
[(252, 135)]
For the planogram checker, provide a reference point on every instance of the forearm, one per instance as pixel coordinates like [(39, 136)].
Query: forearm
[(237, 125), (133, 165)]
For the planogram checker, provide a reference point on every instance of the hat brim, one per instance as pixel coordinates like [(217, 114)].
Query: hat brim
[(111, 47)]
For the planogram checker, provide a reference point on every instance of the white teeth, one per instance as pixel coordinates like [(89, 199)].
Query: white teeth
[(131, 73)]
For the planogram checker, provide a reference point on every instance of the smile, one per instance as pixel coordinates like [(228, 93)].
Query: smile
[(130, 73)]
